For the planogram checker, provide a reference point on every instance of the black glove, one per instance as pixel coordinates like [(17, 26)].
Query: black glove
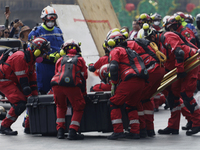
[(181, 74)]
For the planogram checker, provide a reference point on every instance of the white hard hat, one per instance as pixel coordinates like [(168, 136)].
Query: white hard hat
[(48, 11)]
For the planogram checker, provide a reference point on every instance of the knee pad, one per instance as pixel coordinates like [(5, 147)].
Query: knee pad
[(187, 100), (19, 107)]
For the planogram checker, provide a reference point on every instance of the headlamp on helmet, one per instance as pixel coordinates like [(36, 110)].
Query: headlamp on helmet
[(68, 45)]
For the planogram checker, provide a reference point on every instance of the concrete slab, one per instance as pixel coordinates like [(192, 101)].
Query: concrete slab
[(97, 141)]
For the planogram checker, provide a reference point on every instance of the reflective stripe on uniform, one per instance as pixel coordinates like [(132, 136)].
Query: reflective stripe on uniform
[(10, 117), (60, 120), (2, 80), (176, 108), (148, 112), (51, 34), (140, 113), (115, 121), (134, 121), (75, 123), (182, 105), (19, 73)]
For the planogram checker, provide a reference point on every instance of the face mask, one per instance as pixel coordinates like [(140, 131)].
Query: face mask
[(39, 59), (157, 23), (50, 24)]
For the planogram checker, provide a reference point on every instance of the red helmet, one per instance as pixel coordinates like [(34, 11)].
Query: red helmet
[(181, 14), (39, 46), (71, 44), (173, 20), (115, 37), (144, 18), (103, 73)]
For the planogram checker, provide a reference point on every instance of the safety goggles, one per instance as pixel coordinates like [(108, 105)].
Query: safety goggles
[(51, 17)]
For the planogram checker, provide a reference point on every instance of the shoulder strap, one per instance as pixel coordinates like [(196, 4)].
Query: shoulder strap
[(144, 44)]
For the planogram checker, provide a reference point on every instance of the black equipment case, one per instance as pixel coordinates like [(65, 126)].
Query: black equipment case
[(7, 43), (96, 117)]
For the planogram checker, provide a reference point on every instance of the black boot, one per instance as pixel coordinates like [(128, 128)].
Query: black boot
[(193, 130), (27, 130), (74, 136), (7, 131), (168, 131), (151, 133), (115, 136), (187, 126), (61, 133), (132, 136), (143, 133)]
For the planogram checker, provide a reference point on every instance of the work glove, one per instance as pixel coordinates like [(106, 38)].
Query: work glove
[(113, 88), (54, 57), (181, 75)]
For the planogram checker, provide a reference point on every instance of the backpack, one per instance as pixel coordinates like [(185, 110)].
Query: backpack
[(6, 54), (135, 61), (69, 74)]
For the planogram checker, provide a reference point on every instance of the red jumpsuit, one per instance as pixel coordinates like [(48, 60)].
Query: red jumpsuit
[(188, 34), (156, 74), (93, 67), (18, 71), (184, 87), (128, 91), (74, 94)]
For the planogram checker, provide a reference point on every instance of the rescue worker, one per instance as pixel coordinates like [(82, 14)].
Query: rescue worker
[(93, 67), (127, 84), (48, 30), (18, 79), (156, 21), (177, 52), (173, 23), (68, 82), (156, 72), (184, 23)]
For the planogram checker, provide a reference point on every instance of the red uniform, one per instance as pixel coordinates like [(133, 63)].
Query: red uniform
[(188, 34), (102, 86), (74, 94), (16, 73), (184, 87), (129, 90), (156, 74)]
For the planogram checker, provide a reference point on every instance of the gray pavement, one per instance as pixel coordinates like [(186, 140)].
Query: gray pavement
[(96, 140)]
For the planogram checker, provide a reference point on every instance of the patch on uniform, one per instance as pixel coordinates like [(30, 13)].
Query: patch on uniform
[(67, 79), (187, 34), (33, 37), (169, 46)]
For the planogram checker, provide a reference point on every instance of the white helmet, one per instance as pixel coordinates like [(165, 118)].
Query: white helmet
[(165, 19), (48, 13)]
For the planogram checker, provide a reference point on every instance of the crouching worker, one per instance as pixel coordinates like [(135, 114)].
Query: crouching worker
[(126, 70), (18, 79), (69, 82)]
